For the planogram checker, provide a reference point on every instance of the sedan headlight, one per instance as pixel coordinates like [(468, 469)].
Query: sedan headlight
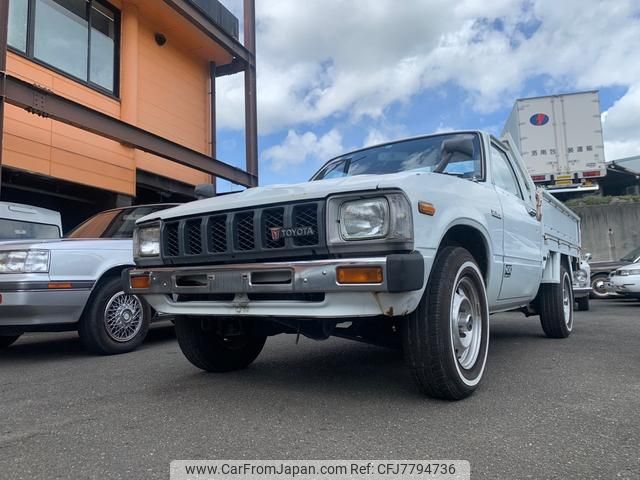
[(24, 261), (146, 241), (634, 271)]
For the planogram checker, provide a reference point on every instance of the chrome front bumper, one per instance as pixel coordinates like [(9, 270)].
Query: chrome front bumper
[(233, 289), (581, 291)]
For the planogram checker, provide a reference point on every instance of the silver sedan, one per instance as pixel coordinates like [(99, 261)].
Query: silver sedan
[(74, 283)]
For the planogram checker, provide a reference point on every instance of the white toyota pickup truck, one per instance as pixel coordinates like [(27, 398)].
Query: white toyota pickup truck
[(412, 243)]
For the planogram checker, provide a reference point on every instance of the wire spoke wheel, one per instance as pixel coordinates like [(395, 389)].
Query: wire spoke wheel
[(123, 317)]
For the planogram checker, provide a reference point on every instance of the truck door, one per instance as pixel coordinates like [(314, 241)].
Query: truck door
[(522, 232)]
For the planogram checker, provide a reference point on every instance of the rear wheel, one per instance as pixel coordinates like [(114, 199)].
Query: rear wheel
[(446, 339), (8, 340), (115, 321), (598, 286), (555, 303), (208, 350)]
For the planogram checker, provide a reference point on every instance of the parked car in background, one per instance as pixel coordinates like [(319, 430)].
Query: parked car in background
[(626, 281), (24, 222), (582, 284), (600, 272), (73, 283)]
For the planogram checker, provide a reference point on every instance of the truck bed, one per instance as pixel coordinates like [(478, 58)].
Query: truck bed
[(561, 226)]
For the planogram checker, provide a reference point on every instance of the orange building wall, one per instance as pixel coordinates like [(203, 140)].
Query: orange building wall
[(47, 147), (172, 101)]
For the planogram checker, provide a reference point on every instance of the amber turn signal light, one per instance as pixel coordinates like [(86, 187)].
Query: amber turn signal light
[(140, 281), (427, 208), (59, 285), (353, 275)]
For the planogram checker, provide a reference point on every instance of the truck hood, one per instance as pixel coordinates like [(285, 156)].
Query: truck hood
[(271, 194), (69, 244)]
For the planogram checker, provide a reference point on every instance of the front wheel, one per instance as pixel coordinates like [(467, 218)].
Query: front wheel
[(599, 286), (208, 350), (555, 303), (8, 340), (583, 303), (114, 321), (446, 339)]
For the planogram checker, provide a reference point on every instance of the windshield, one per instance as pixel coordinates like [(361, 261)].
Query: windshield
[(21, 230), (114, 223), (631, 256), (446, 153)]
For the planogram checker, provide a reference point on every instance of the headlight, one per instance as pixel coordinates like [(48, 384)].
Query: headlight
[(635, 271), (581, 276), (24, 261), (384, 217), (146, 241), (361, 219)]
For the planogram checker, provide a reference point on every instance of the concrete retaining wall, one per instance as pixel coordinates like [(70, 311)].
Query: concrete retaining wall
[(609, 231)]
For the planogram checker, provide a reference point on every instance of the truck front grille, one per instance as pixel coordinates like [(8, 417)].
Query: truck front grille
[(279, 231), (171, 245), (217, 234)]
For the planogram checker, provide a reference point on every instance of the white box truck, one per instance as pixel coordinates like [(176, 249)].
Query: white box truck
[(560, 140)]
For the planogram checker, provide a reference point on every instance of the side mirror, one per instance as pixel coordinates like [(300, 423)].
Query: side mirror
[(463, 145), (587, 257), (460, 146), (205, 190)]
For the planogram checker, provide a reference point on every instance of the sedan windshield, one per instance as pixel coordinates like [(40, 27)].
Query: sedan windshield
[(114, 223), (631, 256), (453, 154)]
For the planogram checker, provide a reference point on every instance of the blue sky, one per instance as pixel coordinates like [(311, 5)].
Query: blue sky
[(334, 75)]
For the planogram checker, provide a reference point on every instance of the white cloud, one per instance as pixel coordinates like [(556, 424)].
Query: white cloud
[(375, 137), (324, 59), (444, 129), (297, 149), (621, 125)]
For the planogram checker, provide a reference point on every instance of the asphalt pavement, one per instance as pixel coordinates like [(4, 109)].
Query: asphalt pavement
[(546, 409)]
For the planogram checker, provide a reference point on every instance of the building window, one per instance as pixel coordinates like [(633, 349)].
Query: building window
[(76, 37), (17, 33)]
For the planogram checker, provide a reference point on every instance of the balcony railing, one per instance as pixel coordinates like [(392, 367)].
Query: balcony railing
[(219, 15)]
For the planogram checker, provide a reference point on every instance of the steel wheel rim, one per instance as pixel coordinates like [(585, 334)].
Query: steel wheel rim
[(123, 317), (567, 300), (466, 323)]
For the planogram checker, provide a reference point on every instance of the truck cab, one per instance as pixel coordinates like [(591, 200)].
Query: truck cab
[(411, 243)]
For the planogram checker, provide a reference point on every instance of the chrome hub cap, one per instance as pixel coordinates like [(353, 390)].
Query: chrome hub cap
[(123, 317), (466, 323), (599, 287)]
